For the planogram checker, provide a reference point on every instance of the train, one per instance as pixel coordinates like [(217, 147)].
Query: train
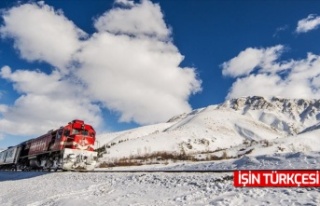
[(70, 147)]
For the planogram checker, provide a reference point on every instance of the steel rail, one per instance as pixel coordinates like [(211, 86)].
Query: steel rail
[(128, 171), (162, 171)]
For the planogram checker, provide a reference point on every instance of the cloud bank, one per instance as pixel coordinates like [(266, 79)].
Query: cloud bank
[(268, 75), (129, 65)]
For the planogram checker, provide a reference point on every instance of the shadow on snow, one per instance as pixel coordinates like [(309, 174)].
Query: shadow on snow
[(12, 176)]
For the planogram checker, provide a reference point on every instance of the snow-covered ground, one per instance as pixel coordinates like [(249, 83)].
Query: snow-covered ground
[(84, 189), (75, 188)]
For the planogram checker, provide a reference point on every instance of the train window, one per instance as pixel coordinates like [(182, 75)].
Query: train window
[(75, 131), (78, 131), (66, 133), (59, 134), (10, 154)]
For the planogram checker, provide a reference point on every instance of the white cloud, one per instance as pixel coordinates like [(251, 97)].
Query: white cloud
[(143, 19), (33, 81), (251, 58), (3, 108), (35, 114), (136, 70), (128, 3), (279, 30), (41, 33), (254, 85), (129, 65), (140, 77), (307, 24), (291, 79), (46, 101)]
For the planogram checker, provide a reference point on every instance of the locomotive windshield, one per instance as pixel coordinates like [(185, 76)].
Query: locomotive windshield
[(79, 131)]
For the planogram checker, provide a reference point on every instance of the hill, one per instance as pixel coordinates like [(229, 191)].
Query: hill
[(243, 126)]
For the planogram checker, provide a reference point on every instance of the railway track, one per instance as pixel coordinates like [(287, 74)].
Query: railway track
[(228, 176), (162, 171), (133, 171)]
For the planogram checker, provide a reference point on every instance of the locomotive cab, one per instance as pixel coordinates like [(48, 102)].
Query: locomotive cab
[(79, 136), (78, 141)]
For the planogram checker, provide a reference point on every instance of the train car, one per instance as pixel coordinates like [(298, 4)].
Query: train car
[(9, 157), (70, 147)]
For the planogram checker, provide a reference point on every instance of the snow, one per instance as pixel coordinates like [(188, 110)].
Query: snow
[(209, 130), (125, 188), (298, 160), (158, 188)]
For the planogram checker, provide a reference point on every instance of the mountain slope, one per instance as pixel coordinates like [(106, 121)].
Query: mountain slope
[(237, 126)]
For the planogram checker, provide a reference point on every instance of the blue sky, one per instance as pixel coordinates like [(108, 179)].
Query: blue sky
[(120, 64)]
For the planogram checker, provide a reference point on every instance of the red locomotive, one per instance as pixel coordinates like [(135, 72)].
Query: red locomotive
[(68, 148)]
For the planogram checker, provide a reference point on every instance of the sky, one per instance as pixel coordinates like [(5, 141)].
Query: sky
[(122, 64)]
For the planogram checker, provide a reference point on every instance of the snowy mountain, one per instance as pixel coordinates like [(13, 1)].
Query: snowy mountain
[(247, 125)]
